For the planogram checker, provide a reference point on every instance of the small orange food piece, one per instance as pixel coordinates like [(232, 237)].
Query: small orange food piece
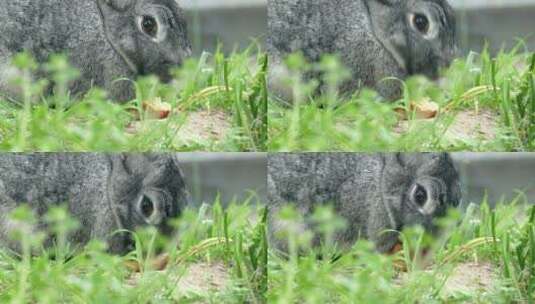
[(158, 263), (397, 248), (157, 108), (425, 109)]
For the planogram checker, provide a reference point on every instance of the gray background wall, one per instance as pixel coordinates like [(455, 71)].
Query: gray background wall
[(235, 175), (498, 175), (500, 22), (235, 22), (231, 175)]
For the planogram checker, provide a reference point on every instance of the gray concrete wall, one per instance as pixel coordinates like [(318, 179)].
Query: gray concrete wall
[(235, 175), (235, 22), (503, 24), (498, 175), (230, 175)]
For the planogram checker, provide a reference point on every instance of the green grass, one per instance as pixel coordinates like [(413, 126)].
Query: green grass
[(234, 238), (233, 84), (503, 85), (502, 238)]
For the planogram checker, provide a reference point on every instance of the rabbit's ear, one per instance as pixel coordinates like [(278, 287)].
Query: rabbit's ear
[(394, 160), (176, 162), (120, 164), (158, 160), (118, 30), (119, 5), (435, 164), (395, 168)]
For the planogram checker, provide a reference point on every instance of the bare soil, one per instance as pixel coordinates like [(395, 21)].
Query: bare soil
[(471, 125), (212, 125), (197, 127), (203, 277), (197, 278), (467, 125), (470, 278)]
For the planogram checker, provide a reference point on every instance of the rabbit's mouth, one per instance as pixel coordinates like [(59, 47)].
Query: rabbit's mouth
[(163, 71), (166, 229), (121, 243), (165, 77)]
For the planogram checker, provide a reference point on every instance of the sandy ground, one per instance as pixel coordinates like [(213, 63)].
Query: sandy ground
[(471, 125), (467, 125), (198, 278), (203, 277), (204, 126), (470, 278), (207, 126), (197, 127)]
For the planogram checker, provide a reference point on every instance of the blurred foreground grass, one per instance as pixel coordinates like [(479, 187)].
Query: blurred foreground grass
[(229, 92), (486, 104), (217, 256), (483, 256)]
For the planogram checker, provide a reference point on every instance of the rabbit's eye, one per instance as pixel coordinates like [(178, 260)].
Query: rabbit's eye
[(146, 207), (420, 195), (421, 23), (149, 25)]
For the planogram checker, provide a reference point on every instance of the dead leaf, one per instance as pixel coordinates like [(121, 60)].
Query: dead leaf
[(424, 109), (153, 109), (157, 109), (158, 263)]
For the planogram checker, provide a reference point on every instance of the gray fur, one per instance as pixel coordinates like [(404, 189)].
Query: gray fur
[(371, 191), (102, 191), (373, 38), (103, 39)]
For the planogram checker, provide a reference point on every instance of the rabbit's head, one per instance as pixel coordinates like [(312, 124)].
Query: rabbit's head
[(150, 35), (418, 188), (419, 34), (145, 190)]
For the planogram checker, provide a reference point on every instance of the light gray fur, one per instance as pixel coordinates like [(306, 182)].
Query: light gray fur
[(102, 191), (373, 38), (102, 38), (371, 191)]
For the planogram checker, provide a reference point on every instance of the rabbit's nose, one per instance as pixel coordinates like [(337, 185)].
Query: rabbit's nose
[(173, 59), (449, 56)]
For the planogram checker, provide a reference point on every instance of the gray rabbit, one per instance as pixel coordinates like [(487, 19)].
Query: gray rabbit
[(377, 194), (108, 41), (375, 39), (104, 192)]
